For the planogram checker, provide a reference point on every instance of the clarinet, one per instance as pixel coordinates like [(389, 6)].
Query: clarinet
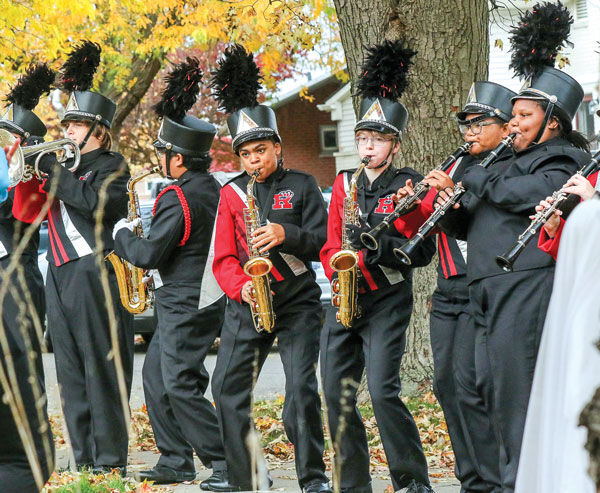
[(370, 239), (403, 253), (507, 260)]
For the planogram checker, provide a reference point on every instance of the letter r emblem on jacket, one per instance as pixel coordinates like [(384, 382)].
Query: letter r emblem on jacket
[(385, 205), (283, 200)]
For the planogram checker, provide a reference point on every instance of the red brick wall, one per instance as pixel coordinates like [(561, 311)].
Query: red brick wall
[(298, 122)]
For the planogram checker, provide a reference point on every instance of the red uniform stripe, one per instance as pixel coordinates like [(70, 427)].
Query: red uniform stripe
[(453, 270), (442, 256), (61, 248), (366, 274)]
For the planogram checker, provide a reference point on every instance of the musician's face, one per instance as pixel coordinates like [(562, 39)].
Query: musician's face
[(527, 119), (486, 136), (377, 146), (77, 131), (260, 155)]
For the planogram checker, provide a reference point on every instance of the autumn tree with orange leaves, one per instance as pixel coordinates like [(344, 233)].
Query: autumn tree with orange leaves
[(139, 37)]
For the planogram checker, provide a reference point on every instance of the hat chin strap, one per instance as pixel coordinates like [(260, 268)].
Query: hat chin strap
[(90, 131), (168, 155), (547, 115), (385, 161)]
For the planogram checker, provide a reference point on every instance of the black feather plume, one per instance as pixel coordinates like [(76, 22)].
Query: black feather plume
[(37, 80), (385, 70), (541, 33), (79, 69), (183, 86), (236, 81)]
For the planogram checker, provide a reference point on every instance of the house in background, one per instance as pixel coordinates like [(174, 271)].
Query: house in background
[(310, 136), (584, 66)]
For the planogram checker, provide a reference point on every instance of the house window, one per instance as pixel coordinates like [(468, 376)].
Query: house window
[(584, 121), (581, 9), (329, 140)]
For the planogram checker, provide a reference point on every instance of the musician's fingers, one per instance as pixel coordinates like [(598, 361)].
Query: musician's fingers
[(12, 150), (259, 231), (270, 245), (262, 240)]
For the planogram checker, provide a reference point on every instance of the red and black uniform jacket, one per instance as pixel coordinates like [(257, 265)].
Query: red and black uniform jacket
[(380, 268), (71, 216), (287, 197), (452, 253), (13, 229), (550, 245), (495, 209), (178, 244)]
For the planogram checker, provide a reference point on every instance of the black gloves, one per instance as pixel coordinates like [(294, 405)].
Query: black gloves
[(47, 163), (354, 233)]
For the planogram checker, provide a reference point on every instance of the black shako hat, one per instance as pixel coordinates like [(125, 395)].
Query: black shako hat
[(236, 83), (77, 77), (181, 133), (489, 99), (383, 81), (23, 98), (541, 33)]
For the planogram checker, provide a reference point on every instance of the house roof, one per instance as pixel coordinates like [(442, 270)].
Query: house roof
[(295, 93), (340, 95)]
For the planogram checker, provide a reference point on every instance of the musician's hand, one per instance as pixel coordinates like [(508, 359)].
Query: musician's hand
[(444, 196), (551, 225), (246, 293), (579, 185), (266, 237), (10, 150), (405, 191), (47, 163), (439, 180), (125, 224), (354, 233)]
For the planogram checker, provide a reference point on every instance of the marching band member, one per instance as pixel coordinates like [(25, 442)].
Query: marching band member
[(550, 234), (376, 340), (289, 226), (16, 470), (189, 303), (78, 318), (484, 123), (509, 307)]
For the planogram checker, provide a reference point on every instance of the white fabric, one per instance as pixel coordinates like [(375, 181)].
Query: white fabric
[(553, 458), (77, 240), (125, 224)]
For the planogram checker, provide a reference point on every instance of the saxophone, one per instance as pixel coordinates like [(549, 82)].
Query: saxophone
[(258, 267), (345, 262), (136, 296)]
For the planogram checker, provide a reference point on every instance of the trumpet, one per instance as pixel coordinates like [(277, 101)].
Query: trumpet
[(507, 260), (370, 239), (19, 171), (403, 253)]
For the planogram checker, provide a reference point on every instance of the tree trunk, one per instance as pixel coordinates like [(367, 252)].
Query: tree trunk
[(451, 40), (145, 70)]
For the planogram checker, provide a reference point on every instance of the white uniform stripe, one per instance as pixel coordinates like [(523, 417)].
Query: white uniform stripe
[(77, 240), (210, 291)]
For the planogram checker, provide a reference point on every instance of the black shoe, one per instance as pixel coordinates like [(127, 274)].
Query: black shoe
[(317, 487), (120, 470), (416, 487), (217, 477), (165, 475)]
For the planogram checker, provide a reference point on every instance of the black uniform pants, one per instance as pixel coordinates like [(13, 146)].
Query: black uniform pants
[(175, 379), (79, 327), (509, 312), (375, 343), (18, 312), (454, 384), (242, 353)]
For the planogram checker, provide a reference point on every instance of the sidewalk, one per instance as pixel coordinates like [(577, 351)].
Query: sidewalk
[(284, 475)]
